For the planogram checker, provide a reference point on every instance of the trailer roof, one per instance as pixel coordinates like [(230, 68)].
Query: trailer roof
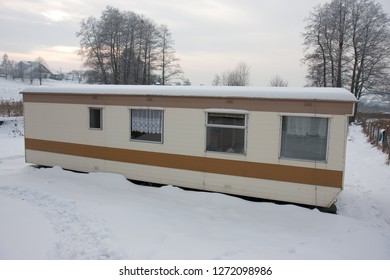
[(299, 93)]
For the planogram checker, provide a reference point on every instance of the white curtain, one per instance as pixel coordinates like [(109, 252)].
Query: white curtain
[(146, 121), (306, 126)]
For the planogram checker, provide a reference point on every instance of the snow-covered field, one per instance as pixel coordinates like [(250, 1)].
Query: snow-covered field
[(56, 214), (9, 89)]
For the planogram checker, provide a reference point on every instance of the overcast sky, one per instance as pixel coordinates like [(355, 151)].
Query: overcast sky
[(211, 36)]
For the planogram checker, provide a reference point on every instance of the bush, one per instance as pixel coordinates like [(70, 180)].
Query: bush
[(11, 108)]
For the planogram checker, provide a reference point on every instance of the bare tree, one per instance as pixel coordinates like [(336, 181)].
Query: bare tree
[(112, 36), (241, 74), (21, 69), (326, 34), (168, 62), (92, 48), (371, 47), (316, 58), (77, 75), (40, 68), (278, 81), (128, 59), (237, 77), (150, 50), (126, 48), (217, 80), (347, 44), (6, 66), (186, 82)]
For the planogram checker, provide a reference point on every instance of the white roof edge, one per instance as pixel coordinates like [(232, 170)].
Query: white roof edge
[(300, 93)]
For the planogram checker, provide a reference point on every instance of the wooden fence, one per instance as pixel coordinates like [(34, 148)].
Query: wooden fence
[(377, 131)]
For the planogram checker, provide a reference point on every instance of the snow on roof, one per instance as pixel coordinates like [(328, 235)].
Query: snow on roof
[(299, 93)]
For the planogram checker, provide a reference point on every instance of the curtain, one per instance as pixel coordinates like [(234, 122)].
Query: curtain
[(146, 121), (306, 126)]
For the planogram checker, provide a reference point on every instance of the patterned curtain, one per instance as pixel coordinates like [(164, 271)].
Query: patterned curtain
[(146, 121)]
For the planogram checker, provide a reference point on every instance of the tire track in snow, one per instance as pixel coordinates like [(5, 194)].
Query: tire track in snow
[(78, 236)]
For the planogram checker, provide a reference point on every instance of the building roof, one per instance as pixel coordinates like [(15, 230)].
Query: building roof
[(30, 66), (291, 93)]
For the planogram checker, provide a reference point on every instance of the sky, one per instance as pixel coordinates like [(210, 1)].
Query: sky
[(211, 36)]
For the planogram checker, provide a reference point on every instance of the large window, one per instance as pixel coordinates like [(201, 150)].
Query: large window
[(147, 125), (95, 118), (304, 138), (226, 132)]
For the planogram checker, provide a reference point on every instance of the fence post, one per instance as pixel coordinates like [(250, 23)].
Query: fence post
[(387, 143), (377, 133), (387, 137), (369, 131), (384, 140)]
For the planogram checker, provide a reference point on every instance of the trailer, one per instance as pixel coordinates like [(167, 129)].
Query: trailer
[(283, 144)]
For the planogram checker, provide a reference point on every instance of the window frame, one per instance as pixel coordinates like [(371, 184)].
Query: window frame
[(162, 124), (100, 119), (229, 112), (329, 121)]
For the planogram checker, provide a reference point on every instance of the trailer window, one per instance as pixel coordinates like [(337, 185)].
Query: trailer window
[(304, 138), (226, 132), (146, 125), (95, 118)]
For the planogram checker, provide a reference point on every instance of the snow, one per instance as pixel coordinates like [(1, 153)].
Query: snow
[(50, 213), (367, 183), (40, 233), (298, 93), (10, 89)]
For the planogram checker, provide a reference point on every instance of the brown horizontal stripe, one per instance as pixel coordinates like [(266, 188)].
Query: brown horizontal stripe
[(285, 173), (251, 104)]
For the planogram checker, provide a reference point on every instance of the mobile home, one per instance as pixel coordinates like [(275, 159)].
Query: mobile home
[(285, 144)]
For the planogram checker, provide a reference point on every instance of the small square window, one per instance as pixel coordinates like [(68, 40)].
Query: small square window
[(95, 118)]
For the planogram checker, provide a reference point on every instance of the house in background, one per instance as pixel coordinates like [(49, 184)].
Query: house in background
[(31, 70)]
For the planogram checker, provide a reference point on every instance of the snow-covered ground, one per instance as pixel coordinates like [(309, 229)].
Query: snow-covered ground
[(56, 214), (9, 89)]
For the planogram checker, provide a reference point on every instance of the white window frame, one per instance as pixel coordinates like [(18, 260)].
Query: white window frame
[(100, 121), (162, 124), (231, 112), (328, 117)]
